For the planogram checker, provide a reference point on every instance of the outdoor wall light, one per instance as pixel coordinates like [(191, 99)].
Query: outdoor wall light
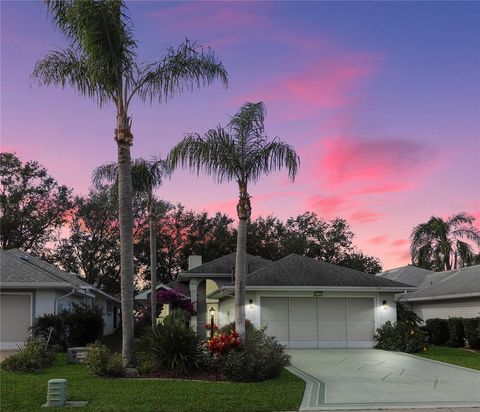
[(385, 305), (251, 304)]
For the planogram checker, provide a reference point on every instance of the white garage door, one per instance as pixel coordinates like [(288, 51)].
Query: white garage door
[(15, 318), (320, 322)]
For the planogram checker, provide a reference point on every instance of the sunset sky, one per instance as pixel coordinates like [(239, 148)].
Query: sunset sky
[(381, 100)]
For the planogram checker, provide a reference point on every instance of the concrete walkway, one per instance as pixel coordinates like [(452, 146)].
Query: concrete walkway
[(374, 379)]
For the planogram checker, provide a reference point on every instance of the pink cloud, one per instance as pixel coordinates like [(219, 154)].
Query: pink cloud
[(363, 216), (400, 242), (368, 160), (328, 205), (378, 240)]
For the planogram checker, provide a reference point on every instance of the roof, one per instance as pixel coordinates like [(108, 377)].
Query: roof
[(300, 271), (410, 275), (172, 285), (20, 269), (226, 264), (450, 284)]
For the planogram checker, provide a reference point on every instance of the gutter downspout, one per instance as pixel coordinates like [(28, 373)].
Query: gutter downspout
[(61, 298)]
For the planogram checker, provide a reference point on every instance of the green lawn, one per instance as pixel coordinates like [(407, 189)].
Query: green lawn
[(27, 392), (456, 356)]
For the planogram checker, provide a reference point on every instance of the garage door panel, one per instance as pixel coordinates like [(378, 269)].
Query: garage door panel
[(333, 330), (278, 329), (15, 317), (303, 330), (274, 309), (360, 331), (302, 309), (360, 309), (331, 309)]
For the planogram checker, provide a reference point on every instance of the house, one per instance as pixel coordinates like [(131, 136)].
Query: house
[(409, 274), (31, 287), (452, 293), (303, 302)]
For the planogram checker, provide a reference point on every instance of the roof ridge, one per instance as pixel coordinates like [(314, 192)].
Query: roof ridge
[(266, 267)]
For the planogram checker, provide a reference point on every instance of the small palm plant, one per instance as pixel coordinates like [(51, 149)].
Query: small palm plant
[(147, 175), (101, 63), (243, 153)]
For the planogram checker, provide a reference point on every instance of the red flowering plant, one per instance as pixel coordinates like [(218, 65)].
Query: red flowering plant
[(220, 344), (207, 326)]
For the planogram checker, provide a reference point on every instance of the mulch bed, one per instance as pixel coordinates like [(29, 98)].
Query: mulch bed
[(192, 376)]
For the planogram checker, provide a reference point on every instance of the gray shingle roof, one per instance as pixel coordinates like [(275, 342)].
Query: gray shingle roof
[(465, 281), (295, 270), (410, 275), (21, 267), (226, 264)]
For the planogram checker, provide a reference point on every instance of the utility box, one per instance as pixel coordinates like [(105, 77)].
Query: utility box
[(57, 392), (77, 355)]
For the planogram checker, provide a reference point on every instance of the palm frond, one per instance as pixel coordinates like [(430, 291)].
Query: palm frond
[(215, 154), (185, 68), (271, 156), (249, 121), (68, 67), (107, 172)]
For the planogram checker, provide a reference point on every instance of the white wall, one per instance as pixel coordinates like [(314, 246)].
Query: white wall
[(44, 302), (463, 308)]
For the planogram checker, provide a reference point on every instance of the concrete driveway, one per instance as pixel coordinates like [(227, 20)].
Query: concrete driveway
[(373, 379)]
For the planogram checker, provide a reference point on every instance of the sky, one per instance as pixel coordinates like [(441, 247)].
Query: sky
[(380, 99)]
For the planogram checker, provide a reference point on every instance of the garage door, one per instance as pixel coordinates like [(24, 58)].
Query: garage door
[(15, 317), (320, 322)]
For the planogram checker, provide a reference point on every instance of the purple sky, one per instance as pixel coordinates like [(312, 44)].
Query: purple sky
[(381, 100)]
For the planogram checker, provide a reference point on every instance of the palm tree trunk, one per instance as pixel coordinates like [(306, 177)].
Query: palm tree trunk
[(240, 275), (124, 139), (153, 258), (244, 211)]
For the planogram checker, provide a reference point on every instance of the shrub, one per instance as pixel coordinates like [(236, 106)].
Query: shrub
[(50, 322), (437, 331), (31, 357), (231, 327), (471, 328), (101, 362), (401, 336), (220, 344), (406, 315), (457, 334), (84, 324), (173, 345), (261, 358)]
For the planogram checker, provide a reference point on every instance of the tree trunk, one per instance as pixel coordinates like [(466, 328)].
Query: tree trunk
[(244, 211), (153, 258), (124, 139)]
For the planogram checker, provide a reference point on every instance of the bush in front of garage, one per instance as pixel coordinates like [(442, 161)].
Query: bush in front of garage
[(401, 336), (437, 330), (471, 328), (33, 356), (78, 326), (259, 358), (457, 333)]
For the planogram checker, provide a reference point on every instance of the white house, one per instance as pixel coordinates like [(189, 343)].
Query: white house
[(452, 293), (31, 287), (304, 303)]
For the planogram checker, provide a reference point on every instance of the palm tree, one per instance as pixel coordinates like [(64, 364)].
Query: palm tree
[(240, 152), (100, 63), (442, 244), (147, 175)]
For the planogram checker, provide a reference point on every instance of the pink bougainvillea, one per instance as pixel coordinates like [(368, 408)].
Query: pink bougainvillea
[(176, 299)]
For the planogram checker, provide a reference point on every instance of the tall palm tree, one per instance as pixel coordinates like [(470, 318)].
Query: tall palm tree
[(240, 152), (100, 63), (147, 175), (443, 244)]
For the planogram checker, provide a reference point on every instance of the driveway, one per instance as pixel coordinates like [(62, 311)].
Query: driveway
[(373, 379)]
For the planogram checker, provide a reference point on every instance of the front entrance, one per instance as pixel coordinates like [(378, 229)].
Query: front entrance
[(323, 322)]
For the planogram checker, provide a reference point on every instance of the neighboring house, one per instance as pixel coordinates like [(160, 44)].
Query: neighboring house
[(31, 287), (452, 293), (410, 275), (303, 302)]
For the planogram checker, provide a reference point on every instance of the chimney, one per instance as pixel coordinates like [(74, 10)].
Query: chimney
[(194, 261)]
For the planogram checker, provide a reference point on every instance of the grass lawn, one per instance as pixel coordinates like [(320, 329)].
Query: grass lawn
[(27, 392), (456, 356)]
